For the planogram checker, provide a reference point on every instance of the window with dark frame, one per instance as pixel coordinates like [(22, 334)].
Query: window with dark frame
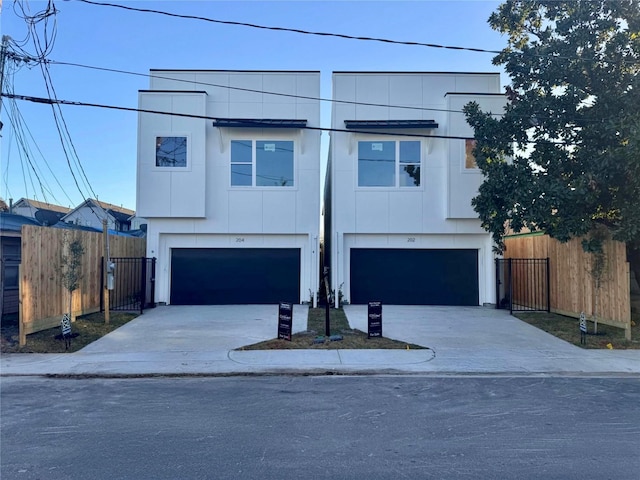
[(171, 152)]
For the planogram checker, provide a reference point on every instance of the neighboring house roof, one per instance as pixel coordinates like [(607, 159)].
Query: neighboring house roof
[(85, 228), (10, 222), (42, 205), (120, 214)]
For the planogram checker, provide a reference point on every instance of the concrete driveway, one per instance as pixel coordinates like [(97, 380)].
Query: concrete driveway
[(204, 328), (195, 340), (486, 339)]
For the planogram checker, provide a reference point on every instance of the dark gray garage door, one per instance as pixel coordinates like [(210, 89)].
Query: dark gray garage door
[(228, 276), (414, 277)]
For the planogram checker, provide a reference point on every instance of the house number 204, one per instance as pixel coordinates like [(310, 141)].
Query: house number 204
[(239, 239)]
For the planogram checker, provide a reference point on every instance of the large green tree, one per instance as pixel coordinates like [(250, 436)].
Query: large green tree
[(564, 157)]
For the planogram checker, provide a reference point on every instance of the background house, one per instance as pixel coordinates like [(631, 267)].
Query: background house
[(10, 256), (399, 225), (45, 213), (91, 212), (232, 204)]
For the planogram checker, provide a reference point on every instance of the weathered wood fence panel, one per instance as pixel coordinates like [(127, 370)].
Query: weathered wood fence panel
[(571, 284), (43, 299)]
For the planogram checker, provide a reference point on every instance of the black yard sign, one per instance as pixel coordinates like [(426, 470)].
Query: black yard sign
[(374, 317), (285, 320)]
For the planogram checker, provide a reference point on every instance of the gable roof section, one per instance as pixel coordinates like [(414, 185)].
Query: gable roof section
[(121, 214), (43, 206)]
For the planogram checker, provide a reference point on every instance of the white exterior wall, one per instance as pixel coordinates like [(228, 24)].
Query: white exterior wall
[(90, 218), (211, 213), (22, 208), (438, 213)]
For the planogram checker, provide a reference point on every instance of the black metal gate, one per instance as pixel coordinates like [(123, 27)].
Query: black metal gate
[(134, 284), (522, 284)]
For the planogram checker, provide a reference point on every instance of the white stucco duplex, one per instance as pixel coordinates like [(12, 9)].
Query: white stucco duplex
[(230, 185), (399, 225)]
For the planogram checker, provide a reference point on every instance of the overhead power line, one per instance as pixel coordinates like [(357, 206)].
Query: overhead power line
[(288, 29), (251, 90), (32, 60), (49, 101), (338, 35)]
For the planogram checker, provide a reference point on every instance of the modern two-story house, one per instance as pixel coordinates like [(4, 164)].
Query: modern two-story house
[(229, 183), (399, 224)]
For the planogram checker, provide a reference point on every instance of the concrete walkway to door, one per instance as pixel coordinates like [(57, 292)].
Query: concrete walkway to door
[(201, 340)]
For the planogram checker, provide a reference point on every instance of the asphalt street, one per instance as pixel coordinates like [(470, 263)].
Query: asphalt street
[(339, 427)]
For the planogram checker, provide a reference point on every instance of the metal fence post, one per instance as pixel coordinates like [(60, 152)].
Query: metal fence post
[(497, 262), (548, 287), (152, 300), (509, 263), (101, 284), (143, 285)]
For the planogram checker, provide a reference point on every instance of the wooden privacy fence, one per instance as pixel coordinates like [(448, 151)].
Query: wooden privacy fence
[(572, 288), (43, 299)]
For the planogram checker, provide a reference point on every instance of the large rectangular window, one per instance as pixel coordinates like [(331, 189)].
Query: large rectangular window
[(171, 151), (389, 164), (262, 163)]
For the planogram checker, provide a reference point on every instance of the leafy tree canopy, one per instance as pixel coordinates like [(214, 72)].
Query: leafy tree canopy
[(565, 155)]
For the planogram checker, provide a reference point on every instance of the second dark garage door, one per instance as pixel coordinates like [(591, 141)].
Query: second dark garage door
[(414, 277), (228, 276)]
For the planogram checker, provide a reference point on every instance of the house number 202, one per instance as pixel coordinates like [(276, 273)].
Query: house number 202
[(411, 239)]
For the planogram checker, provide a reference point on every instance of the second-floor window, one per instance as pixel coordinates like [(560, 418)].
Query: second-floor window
[(389, 164), (262, 163), (469, 159), (171, 151)]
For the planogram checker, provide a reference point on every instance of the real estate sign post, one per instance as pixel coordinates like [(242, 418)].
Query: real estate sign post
[(285, 320), (374, 319)]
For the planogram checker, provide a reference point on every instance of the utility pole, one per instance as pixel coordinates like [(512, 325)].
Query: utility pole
[(3, 60)]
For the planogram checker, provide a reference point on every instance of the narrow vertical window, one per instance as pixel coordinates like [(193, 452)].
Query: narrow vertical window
[(409, 166), (241, 163), (469, 159)]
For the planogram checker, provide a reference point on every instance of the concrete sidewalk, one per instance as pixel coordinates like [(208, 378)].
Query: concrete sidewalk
[(201, 340)]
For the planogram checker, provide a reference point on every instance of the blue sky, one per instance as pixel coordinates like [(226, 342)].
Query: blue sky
[(105, 140)]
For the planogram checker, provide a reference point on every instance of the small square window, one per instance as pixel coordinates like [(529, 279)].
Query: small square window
[(469, 159), (171, 151)]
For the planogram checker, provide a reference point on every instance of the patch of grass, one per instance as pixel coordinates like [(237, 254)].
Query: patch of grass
[(567, 328), (351, 338), (88, 327)]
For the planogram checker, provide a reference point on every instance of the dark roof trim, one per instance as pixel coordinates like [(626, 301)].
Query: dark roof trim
[(172, 91), (354, 124), (475, 93), (259, 123), (373, 72), (231, 71)]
